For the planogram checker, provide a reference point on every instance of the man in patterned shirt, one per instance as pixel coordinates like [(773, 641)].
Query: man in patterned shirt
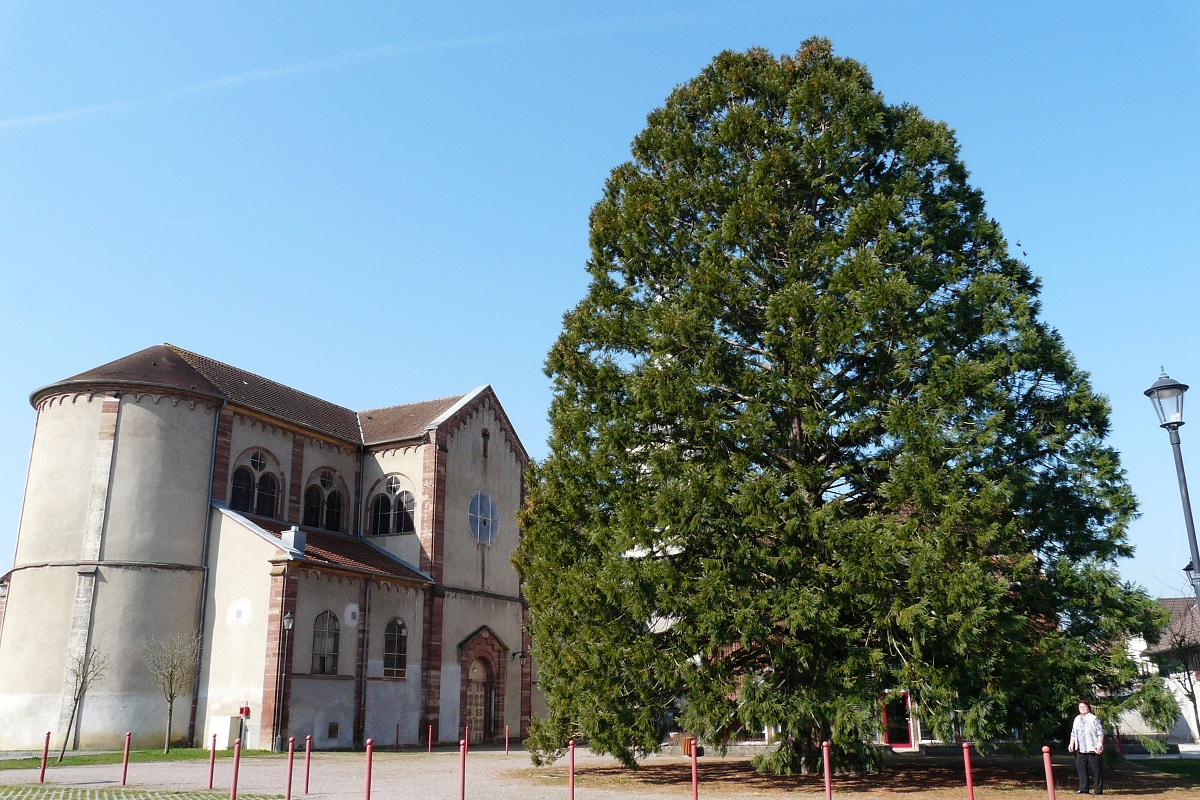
[(1087, 743)]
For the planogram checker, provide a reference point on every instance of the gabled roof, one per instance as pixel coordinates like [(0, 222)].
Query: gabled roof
[(408, 421), (166, 366), (340, 551), (1183, 630)]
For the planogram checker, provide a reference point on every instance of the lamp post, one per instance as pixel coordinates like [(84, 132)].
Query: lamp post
[(288, 621), (1167, 397)]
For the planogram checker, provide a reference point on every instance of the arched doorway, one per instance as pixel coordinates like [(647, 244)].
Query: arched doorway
[(478, 711)]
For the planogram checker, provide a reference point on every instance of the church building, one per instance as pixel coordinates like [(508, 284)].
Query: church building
[(347, 575)]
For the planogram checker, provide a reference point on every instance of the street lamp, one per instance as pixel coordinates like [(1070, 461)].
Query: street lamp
[(1167, 397), (288, 621)]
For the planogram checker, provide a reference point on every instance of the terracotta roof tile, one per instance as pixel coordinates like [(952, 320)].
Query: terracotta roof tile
[(261, 394), (338, 550), (403, 422), (1183, 628), (168, 366)]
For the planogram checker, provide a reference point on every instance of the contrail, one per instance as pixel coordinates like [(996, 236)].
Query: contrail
[(385, 52)]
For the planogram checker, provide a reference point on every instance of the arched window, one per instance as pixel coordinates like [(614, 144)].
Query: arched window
[(325, 644), (323, 503), (333, 511), (312, 506), (242, 498), (255, 489), (395, 649), (381, 515), (266, 501), (404, 513)]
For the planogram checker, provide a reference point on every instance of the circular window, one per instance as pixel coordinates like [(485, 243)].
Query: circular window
[(482, 516), (326, 480), (392, 485), (258, 461)]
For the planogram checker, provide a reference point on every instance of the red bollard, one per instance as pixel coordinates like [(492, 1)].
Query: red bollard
[(571, 769), (291, 755), (237, 762), (695, 773), (307, 760), (45, 755), (397, 737), (828, 771), (370, 750), (967, 767), (462, 770), (429, 739), (505, 740), (467, 737), (125, 760), (1049, 774), (212, 760)]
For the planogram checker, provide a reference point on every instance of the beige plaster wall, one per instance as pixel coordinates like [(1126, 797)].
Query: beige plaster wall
[(158, 501), (468, 564), (407, 463), (54, 515), (135, 605), (463, 615), (319, 700), (235, 633), (32, 655), (392, 701)]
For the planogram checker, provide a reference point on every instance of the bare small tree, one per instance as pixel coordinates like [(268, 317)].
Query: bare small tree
[(1179, 661), (85, 668), (171, 659)]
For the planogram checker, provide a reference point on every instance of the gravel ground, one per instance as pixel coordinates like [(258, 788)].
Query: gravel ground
[(341, 776)]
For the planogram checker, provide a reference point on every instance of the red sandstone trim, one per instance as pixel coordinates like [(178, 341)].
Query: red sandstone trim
[(484, 646), (296, 490)]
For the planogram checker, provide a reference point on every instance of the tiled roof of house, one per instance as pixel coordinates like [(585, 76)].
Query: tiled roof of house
[(348, 552), (402, 422), (1184, 628), (171, 367)]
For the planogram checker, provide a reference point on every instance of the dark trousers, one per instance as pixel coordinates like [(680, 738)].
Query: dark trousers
[(1085, 762)]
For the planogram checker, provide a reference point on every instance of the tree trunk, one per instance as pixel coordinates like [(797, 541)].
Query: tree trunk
[(170, 714), (67, 737)]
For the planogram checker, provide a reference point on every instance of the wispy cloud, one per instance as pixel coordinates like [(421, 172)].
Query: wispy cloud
[(378, 53)]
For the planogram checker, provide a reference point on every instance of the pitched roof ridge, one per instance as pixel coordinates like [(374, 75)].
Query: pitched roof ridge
[(185, 353), (415, 403)]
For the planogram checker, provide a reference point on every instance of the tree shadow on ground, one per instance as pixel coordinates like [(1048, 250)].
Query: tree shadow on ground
[(902, 775)]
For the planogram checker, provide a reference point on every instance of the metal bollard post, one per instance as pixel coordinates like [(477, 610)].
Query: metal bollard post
[(828, 770), (45, 755), (212, 760), (291, 757), (307, 760), (695, 772), (370, 751), (397, 737), (125, 758), (462, 770), (505, 740), (571, 769), (237, 762), (429, 739), (967, 767), (1049, 774)]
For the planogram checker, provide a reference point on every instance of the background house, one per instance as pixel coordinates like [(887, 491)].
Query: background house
[(170, 493)]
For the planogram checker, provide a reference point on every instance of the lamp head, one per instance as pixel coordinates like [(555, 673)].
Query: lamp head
[(1167, 396)]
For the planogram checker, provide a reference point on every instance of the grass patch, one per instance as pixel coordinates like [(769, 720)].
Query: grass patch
[(115, 757)]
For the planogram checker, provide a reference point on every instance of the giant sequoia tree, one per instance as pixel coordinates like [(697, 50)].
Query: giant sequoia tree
[(811, 441)]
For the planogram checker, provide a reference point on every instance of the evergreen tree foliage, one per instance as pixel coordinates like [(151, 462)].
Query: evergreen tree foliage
[(811, 441)]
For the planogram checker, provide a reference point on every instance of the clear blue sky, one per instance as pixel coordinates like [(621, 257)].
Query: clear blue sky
[(381, 203)]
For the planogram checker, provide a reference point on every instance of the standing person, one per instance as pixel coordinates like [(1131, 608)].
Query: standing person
[(1087, 743)]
